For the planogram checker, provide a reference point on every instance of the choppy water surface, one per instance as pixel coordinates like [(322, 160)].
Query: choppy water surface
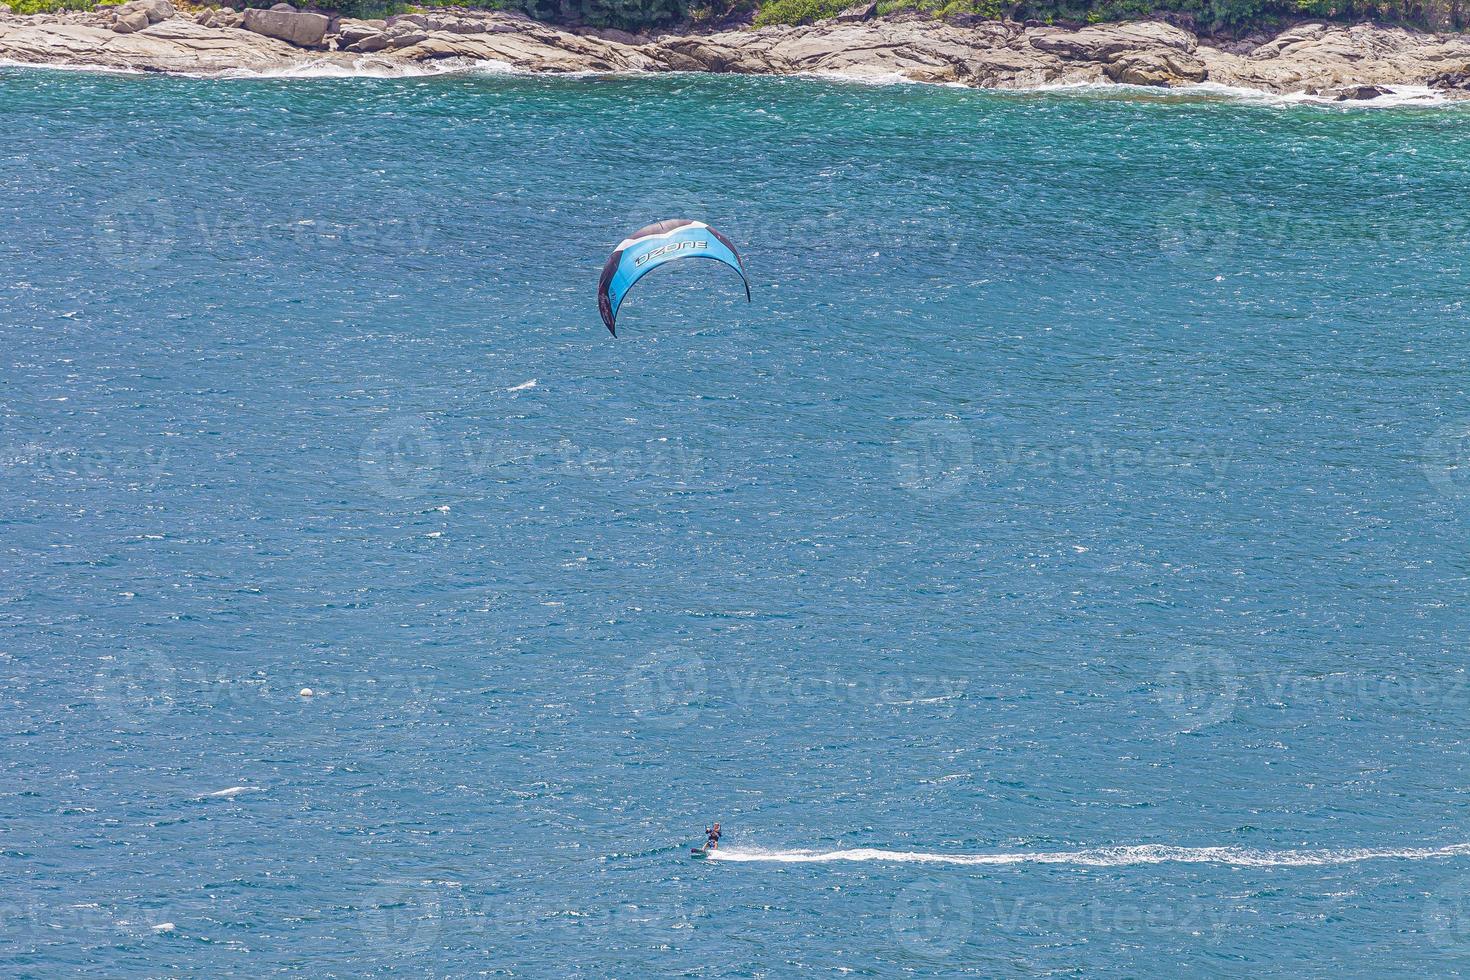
[(1060, 567)]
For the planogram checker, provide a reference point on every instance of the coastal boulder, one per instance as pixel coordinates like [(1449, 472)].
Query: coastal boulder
[(860, 11), (1159, 66), (132, 17), (1142, 53), (406, 36), (1293, 37), (606, 33), (368, 44), (478, 27), (534, 47), (1355, 93), (129, 21), (218, 17), (362, 36), (157, 11), (302, 30), (176, 45), (1313, 58), (150, 11), (1457, 79), (352, 31), (1108, 42)]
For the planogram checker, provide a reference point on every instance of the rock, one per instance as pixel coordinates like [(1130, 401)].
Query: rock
[(284, 6), (129, 21), (1107, 42), (1159, 66), (302, 30), (451, 25), (1289, 38), (606, 33), (156, 10), (369, 44), (1352, 62), (352, 31), (1313, 57), (407, 39), (218, 17), (5, 8), (922, 49), (129, 18), (861, 11), (534, 47), (177, 45), (1458, 79), (1355, 93)]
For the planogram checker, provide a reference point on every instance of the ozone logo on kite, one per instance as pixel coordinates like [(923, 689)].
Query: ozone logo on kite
[(671, 247), (648, 248)]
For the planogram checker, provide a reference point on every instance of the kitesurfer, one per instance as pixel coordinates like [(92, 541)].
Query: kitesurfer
[(713, 835)]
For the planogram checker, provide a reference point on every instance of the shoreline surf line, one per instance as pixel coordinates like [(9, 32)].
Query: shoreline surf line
[(1398, 96), (1106, 857)]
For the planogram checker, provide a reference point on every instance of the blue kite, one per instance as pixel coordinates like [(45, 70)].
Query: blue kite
[(648, 248)]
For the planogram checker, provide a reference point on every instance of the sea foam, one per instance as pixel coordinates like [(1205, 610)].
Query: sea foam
[(1107, 857)]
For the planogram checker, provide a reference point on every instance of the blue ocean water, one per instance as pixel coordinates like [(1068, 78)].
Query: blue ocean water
[(1059, 568)]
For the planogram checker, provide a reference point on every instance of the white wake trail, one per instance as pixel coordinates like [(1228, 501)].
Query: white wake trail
[(1106, 857)]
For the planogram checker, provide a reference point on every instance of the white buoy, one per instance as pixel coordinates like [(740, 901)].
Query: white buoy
[(306, 692)]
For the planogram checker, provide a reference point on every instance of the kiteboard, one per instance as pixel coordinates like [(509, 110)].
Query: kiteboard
[(699, 853)]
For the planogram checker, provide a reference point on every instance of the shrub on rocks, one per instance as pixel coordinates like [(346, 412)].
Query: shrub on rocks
[(628, 15)]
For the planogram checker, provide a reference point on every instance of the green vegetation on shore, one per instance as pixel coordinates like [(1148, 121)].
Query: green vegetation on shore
[(51, 6), (807, 11), (1204, 16), (1210, 16)]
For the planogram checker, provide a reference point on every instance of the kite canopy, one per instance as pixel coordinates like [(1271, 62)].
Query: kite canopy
[(648, 248)]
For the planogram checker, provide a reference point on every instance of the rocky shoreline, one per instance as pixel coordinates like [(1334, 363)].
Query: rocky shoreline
[(1327, 61)]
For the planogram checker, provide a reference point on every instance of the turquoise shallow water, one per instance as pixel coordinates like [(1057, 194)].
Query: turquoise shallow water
[(1060, 566)]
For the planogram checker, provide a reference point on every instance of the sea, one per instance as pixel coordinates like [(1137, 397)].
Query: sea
[(1058, 567)]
